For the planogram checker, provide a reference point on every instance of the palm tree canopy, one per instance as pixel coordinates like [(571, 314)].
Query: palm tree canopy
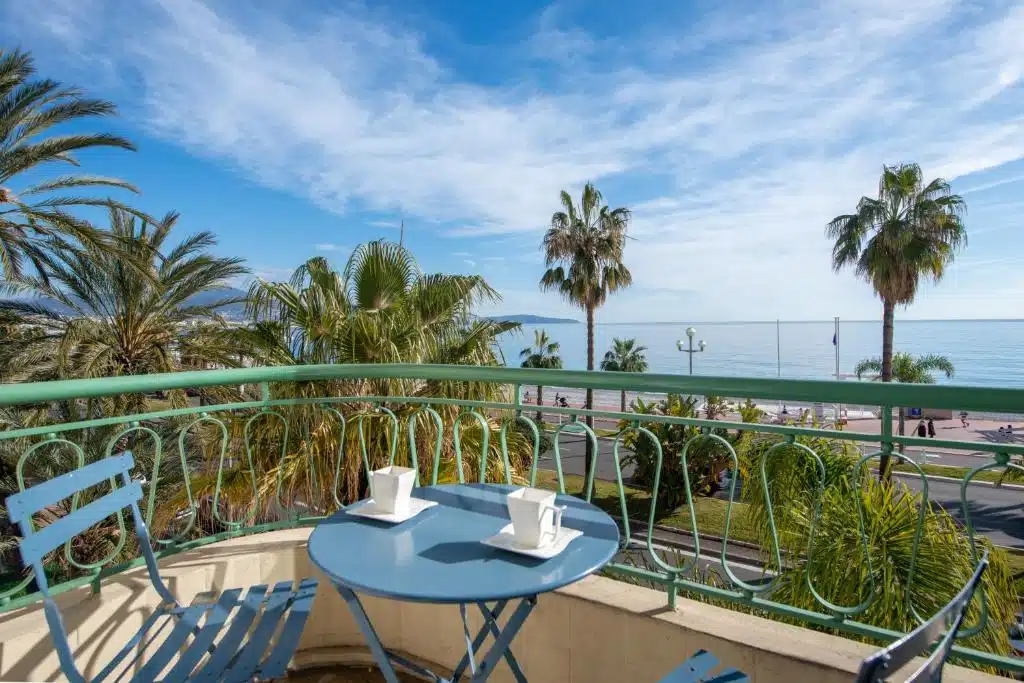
[(29, 109), (909, 369), (625, 356), (543, 354), (911, 229), (379, 309), (583, 250), (95, 315)]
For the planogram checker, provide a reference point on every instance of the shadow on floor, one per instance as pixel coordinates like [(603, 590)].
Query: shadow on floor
[(342, 674)]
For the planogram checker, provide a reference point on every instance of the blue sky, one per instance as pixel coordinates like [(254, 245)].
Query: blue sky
[(734, 131)]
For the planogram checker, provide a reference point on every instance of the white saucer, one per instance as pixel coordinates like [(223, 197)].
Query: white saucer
[(369, 510), (506, 540)]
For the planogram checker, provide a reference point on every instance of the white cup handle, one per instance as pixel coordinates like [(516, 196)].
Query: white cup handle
[(556, 518)]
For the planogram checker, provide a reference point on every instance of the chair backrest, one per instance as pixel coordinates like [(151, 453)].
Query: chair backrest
[(942, 627), (35, 544)]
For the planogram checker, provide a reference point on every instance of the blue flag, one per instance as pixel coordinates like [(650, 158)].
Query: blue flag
[(834, 339)]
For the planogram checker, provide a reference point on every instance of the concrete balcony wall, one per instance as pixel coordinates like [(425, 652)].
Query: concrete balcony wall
[(598, 630)]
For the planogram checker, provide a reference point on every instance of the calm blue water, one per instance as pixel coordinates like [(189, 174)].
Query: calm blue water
[(985, 352)]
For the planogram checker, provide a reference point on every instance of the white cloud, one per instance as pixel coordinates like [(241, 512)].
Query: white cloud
[(469, 262), (327, 246), (993, 184), (734, 144)]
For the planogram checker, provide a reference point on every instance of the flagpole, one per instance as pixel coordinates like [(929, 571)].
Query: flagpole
[(778, 354), (838, 378)]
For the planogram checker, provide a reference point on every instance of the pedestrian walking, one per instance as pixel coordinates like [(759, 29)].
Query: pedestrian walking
[(931, 428), (922, 430)]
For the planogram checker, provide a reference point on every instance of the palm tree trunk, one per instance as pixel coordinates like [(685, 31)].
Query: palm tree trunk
[(884, 473), (590, 392), (540, 402), (888, 313), (623, 403)]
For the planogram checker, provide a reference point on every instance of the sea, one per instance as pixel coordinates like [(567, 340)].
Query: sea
[(983, 352)]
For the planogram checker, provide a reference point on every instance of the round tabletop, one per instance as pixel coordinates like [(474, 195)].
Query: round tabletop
[(437, 556)]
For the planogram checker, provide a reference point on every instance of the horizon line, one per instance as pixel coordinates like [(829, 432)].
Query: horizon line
[(570, 321)]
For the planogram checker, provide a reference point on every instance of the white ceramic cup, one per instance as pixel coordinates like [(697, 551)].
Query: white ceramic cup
[(536, 520), (392, 488)]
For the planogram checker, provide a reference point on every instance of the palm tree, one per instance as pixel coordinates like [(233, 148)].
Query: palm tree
[(35, 215), (911, 230), (908, 370), (379, 309), (583, 255), (543, 354), (878, 540), (625, 356), (93, 315)]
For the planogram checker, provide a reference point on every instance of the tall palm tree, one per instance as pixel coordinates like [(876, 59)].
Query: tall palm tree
[(911, 230), (583, 254), (908, 370), (543, 354), (625, 356), (93, 315), (35, 214)]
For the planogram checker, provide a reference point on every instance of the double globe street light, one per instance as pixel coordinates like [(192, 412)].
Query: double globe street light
[(690, 333)]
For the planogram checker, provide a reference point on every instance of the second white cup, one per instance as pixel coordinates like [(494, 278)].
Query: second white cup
[(536, 520)]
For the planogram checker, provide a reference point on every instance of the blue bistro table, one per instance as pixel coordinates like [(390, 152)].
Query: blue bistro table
[(437, 557)]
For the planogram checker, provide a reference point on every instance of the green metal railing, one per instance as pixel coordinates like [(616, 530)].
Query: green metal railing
[(229, 439)]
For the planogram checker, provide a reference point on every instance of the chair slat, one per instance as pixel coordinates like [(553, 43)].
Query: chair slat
[(35, 546), (215, 620), (227, 648), (252, 651), (277, 661), (693, 669), (21, 506), (730, 676), (185, 625)]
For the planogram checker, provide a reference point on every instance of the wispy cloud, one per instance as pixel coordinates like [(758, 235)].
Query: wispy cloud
[(993, 184), (384, 224), (327, 246), (734, 145), (469, 262)]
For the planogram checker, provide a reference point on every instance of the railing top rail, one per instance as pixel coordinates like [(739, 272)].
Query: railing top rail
[(948, 396)]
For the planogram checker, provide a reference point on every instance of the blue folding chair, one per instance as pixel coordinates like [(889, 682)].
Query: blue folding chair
[(942, 627), (698, 668), (244, 652), (876, 668)]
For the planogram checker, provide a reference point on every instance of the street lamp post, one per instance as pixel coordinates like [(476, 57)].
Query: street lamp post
[(690, 333)]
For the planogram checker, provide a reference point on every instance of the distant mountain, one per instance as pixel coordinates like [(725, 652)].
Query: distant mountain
[(234, 312), (533, 319)]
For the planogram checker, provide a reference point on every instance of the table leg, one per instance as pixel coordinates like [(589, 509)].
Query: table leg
[(502, 640), (369, 633)]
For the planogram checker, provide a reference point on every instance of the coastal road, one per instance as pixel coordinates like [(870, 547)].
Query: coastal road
[(997, 513)]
